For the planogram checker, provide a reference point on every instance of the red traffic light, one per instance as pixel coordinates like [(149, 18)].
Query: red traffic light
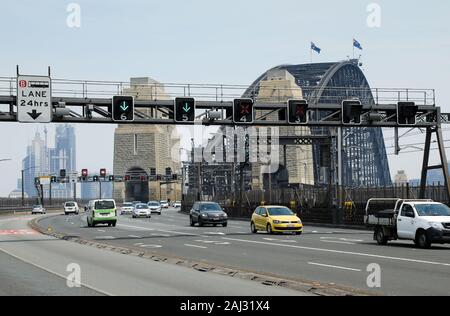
[(298, 111), (127, 178), (84, 173), (103, 172)]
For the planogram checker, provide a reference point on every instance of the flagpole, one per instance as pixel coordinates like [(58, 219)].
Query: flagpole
[(353, 44)]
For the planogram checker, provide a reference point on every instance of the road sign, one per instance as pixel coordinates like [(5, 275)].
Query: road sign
[(297, 111), (123, 108), (184, 110), (34, 99), (351, 112), (243, 111), (45, 180)]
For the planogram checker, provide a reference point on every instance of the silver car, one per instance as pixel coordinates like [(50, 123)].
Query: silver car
[(38, 209)]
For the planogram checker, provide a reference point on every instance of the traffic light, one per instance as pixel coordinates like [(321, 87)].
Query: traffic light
[(243, 111), (174, 177), (143, 178), (184, 110), (102, 172), (127, 178), (111, 178), (153, 172), (95, 179), (406, 113), (169, 172), (297, 111), (53, 179), (351, 112), (62, 173), (37, 181), (84, 174), (123, 108)]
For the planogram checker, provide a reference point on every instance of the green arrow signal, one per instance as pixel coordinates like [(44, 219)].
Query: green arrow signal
[(186, 108), (124, 106)]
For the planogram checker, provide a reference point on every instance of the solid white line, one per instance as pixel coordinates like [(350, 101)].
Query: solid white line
[(195, 246), (55, 273), (336, 267), (343, 252), (339, 242)]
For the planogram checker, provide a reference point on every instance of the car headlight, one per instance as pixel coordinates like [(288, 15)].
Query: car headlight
[(437, 225), (276, 222), (225, 215), (204, 215)]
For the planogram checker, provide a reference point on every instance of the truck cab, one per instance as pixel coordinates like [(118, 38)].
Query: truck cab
[(423, 221)]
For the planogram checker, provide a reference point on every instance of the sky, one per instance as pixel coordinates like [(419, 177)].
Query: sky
[(205, 41)]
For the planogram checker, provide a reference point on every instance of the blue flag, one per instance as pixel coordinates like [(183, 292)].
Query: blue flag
[(315, 48), (357, 44)]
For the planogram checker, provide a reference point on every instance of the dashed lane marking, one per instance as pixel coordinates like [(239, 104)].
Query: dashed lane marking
[(195, 246)]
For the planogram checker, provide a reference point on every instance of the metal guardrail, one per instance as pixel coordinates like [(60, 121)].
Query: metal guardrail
[(221, 92)]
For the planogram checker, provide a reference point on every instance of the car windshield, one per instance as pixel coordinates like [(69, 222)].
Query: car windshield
[(163, 202), (127, 204), (142, 206), (280, 211), (70, 204), (37, 206), (432, 210), (210, 207), (104, 205), (153, 204)]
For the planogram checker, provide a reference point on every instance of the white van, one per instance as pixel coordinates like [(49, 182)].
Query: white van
[(71, 208)]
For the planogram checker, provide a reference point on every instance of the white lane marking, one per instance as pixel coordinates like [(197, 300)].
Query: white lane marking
[(139, 244), (215, 233), (159, 230), (105, 238), (361, 254), (150, 246), (213, 242), (101, 231), (281, 240), (55, 273), (195, 246), (338, 242), (335, 267)]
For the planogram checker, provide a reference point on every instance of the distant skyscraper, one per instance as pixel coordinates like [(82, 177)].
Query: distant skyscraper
[(91, 190), (34, 164), (41, 160), (63, 156)]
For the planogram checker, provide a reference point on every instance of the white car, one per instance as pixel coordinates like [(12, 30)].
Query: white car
[(71, 208), (127, 208), (38, 209), (155, 207), (164, 204), (177, 204), (141, 210)]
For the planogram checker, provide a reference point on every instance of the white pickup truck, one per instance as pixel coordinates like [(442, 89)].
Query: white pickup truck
[(423, 221)]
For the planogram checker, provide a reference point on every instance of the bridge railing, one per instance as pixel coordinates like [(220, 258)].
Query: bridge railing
[(224, 92)]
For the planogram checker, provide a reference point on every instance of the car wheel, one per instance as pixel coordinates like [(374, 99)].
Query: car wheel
[(253, 228), (382, 240), (225, 224), (269, 229), (200, 223), (191, 221), (215, 225), (114, 224), (298, 233), (422, 240)]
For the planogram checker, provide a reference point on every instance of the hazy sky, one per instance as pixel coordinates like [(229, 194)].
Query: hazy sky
[(208, 41)]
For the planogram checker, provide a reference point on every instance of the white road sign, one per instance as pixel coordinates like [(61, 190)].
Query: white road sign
[(34, 99)]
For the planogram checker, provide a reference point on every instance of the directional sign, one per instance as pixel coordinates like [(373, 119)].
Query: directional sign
[(34, 99), (184, 110), (123, 108)]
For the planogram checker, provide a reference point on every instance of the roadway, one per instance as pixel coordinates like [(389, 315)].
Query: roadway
[(35, 264), (325, 255)]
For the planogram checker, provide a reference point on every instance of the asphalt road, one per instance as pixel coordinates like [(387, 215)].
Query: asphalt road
[(33, 264), (326, 255)]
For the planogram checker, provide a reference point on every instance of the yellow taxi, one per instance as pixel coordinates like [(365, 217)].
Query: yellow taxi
[(275, 219)]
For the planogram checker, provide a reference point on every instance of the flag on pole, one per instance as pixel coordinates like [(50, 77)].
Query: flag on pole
[(315, 48), (357, 44)]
